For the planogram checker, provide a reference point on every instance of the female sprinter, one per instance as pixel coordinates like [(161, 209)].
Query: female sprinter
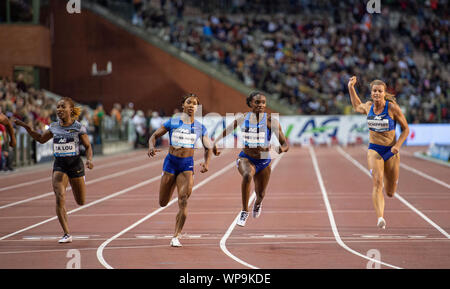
[(254, 160), (178, 167), (383, 155), (67, 133)]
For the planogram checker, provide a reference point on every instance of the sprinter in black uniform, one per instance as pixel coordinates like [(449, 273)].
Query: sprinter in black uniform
[(67, 133)]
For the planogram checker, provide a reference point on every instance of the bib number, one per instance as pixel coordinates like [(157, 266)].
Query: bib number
[(254, 139), (186, 140), (378, 124), (63, 147)]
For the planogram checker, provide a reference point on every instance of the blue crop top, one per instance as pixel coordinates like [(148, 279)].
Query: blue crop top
[(182, 134), (255, 134), (380, 122)]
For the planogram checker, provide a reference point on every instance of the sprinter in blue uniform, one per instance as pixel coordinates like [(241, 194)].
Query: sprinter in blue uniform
[(383, 155), (178, 167), (254, 160), (68, 167)]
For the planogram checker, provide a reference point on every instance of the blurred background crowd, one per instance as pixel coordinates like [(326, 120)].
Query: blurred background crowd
[(306, 59), (299, 51), (37, 108)]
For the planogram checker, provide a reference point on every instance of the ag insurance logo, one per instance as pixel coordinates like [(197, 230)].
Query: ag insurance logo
[(73, 6)]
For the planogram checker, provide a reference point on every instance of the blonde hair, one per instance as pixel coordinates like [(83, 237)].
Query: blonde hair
[(387, 96), (76, 110)]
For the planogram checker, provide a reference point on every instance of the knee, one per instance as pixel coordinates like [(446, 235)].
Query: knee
[(378, 184), (182, 201), (60, 199)]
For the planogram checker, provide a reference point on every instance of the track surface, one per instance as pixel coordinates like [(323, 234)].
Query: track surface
[(317, 213)]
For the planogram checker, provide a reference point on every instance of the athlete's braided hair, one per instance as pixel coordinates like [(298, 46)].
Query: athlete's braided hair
[(186, 96), (251, 96)]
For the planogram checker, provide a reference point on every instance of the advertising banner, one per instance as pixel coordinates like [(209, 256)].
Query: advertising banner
[(426, 134), (303, 130)]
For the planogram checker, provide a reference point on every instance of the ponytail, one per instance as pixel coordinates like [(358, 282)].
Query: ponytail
[(76, 110), (390, 97)]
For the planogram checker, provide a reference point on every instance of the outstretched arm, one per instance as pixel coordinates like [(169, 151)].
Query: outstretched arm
[(152, 141), (229, 129), (358, 106), (41, 138), (9, 128)]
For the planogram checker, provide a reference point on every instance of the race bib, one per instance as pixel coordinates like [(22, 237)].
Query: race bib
[(182, 139), (254, 139), (63, 147), (378, 124)]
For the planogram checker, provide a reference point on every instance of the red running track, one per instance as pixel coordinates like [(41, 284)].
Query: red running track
[(317, 213)]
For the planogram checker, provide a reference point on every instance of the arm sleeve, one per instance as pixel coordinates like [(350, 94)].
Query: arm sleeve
[(83, 130), (168, 124)]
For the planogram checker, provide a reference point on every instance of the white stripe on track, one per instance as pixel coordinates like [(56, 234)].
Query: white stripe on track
[(104, 244), (397, 195), (424, 175), (420, 173), (331, 216), (227, 234), (87, 183), (107, 165), (86, 206)]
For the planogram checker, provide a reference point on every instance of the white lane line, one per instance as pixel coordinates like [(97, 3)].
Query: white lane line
[(85, 206), (397, 195), (331, 216), (41, 180), (107, 177), (233, 224), (213, 244), (42, 167), (43, 238), (420, 173), (101, 248), (424, 175), (156, 162)]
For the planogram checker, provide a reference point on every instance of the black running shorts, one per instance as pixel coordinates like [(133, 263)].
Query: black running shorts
[(72, 166)]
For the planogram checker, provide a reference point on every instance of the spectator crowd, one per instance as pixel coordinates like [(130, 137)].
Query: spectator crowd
[(300, 51), (19, 100), (303, 52)]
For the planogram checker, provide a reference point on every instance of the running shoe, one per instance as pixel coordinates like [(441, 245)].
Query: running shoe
[(256, 210), (175, 242), (65, 239), (242, 219), (381, 223)]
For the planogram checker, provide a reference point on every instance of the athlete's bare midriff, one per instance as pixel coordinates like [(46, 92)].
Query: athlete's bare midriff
[(181, 152), (386, 138)]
